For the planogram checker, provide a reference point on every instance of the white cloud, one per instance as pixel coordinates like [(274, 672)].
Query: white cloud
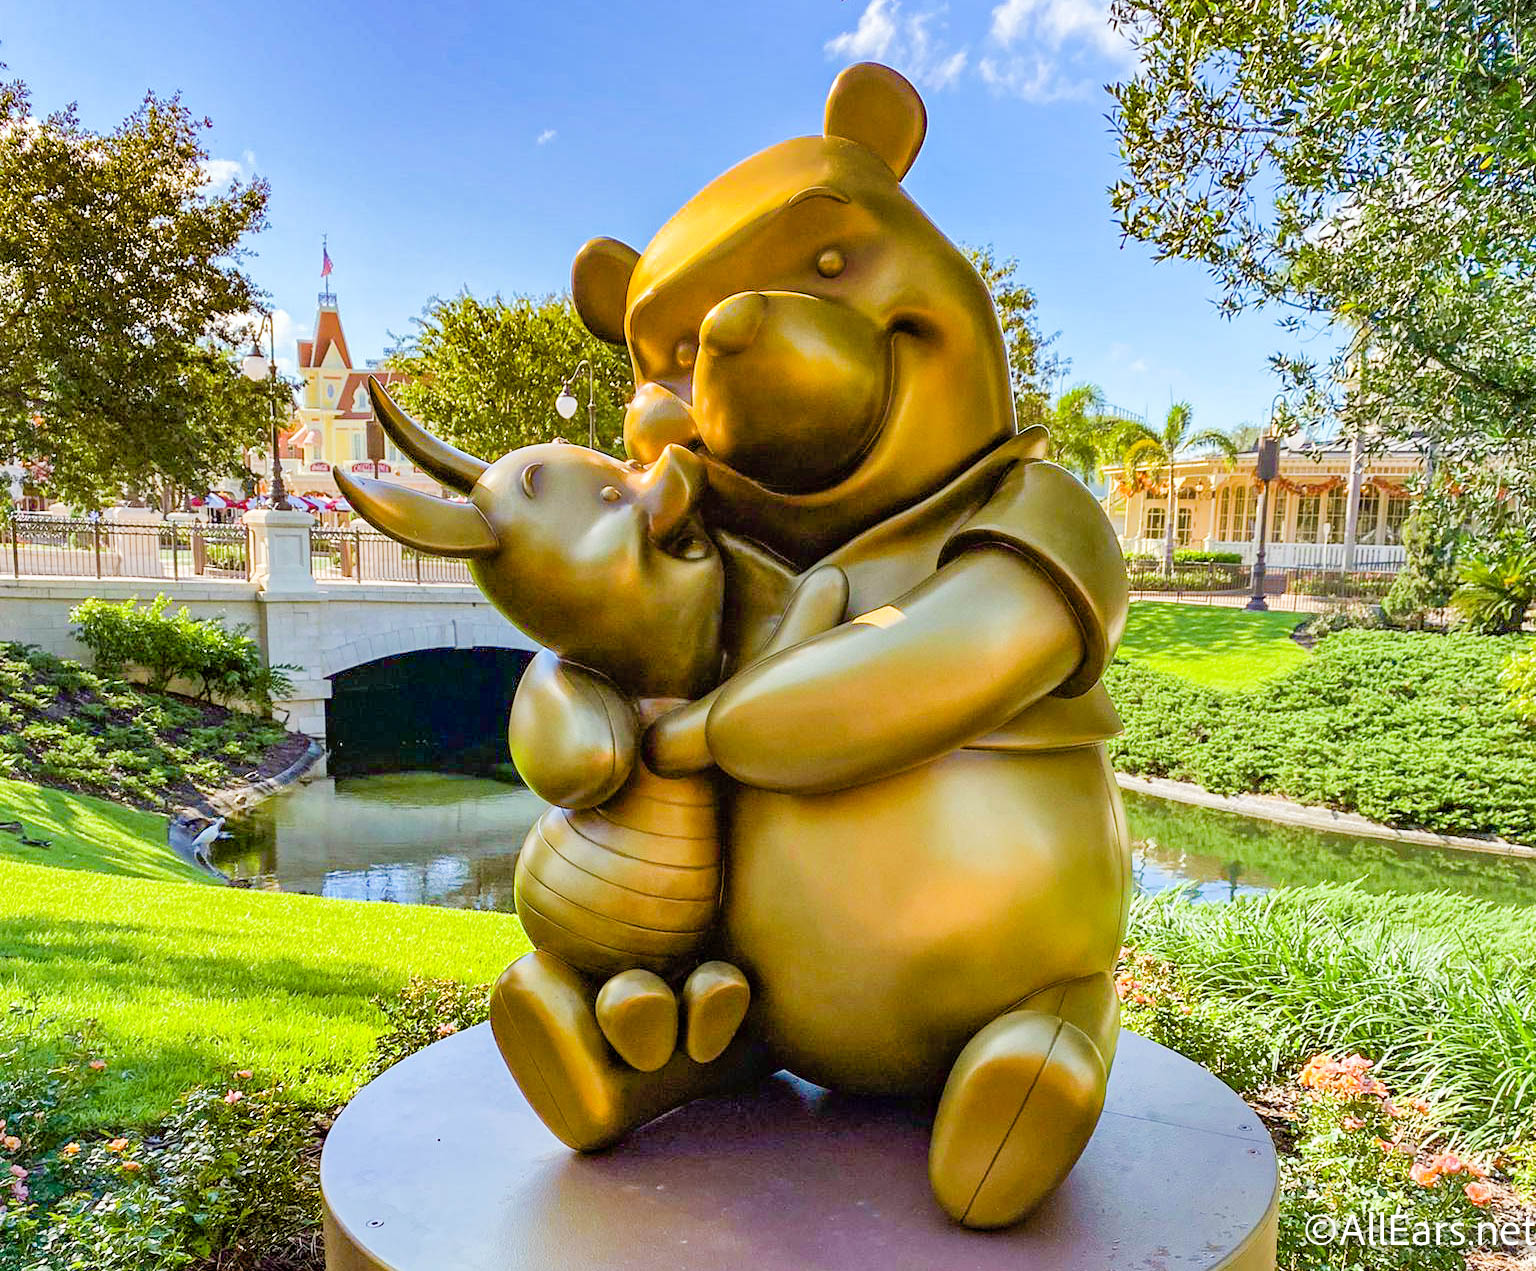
[(221, 172), (1051, 50), (907, 41), (545, 137)]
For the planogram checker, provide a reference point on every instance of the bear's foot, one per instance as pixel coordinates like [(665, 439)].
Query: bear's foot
[(1017, 1111), (546, 1027)]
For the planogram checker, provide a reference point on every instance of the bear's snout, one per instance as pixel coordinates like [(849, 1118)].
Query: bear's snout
[(732, 325), (790, 389)]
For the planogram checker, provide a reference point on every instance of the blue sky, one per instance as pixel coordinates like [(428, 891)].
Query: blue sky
[(451, 145)]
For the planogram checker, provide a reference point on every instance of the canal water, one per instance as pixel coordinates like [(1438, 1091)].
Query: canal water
[(439, 839)]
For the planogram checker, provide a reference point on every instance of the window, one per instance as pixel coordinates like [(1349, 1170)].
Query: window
[(1338, 512), (1370, 513), (360, 403), (1277, 520), (1243, 500), (1185, 525), (359, 451), (1397, 513), (1308, 509), (1155, 522), (1223, 512)]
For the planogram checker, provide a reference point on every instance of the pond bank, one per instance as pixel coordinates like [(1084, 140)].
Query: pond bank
[(1268, 807)]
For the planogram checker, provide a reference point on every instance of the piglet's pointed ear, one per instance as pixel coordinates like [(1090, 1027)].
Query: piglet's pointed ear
[(600, 286), (439, 527), (878, 108)]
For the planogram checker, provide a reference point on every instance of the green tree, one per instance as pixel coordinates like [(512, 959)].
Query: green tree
[(486, 373), (122, 303), (1140, 445), (1033, 365), (1082, 433), (1367, 166)]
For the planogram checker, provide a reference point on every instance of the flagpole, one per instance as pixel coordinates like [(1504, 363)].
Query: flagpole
[(325, 257)]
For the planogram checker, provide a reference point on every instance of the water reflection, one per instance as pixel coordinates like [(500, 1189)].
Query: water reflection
[(414, 838), (438, 839)]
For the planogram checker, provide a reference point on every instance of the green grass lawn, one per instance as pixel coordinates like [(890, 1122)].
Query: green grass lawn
[(86, 833), (1221, 648), (188, 984)]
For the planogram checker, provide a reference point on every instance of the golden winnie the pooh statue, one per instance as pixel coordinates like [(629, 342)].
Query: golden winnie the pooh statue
[(924, 858)]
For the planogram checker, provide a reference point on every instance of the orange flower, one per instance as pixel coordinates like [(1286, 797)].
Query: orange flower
[(233, 1096), (1478, 1193), (117, 1145), (10, 1142), (97, 1065), (1353, 1123), (447, 1030), (244, 1074), (133, 1167), (1449, 1163), (1421, 1106), (70, 1149), (1424, 1173)]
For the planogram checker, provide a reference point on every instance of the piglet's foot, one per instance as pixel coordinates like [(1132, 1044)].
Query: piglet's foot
[(547, 1029), (715, 1000), (641, 1017), (637, 1012)]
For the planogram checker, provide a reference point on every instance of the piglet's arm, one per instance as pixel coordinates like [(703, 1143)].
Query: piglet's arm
[(957, 656), (572, 733)]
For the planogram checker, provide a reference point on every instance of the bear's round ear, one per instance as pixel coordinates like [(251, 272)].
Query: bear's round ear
[(600, 286), (878, 108)]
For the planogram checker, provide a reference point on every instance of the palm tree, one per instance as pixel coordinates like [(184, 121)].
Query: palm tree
[(1141, 445), (1081, 431)]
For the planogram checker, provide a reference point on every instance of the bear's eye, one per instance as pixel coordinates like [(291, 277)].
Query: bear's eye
[(830, 263), (687, 350), (611, 494)]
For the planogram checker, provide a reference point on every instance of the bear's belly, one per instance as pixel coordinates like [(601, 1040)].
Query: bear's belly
[(882, 926)]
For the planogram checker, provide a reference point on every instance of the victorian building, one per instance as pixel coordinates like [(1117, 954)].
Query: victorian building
[(1216, 506)]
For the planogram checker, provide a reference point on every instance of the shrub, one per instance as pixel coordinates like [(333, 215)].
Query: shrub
[(425, 1011), (1186, 556), (228, 1179), (1496, 589), (1518, 679), (1433, 985), (70, 727), (1406, 728), (176, 644)]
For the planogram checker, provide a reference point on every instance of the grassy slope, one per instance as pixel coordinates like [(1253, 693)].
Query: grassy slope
[(1221, 648), (89, 834), (188, 983)]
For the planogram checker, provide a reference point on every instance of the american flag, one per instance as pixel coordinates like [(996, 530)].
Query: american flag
[(325, 262)]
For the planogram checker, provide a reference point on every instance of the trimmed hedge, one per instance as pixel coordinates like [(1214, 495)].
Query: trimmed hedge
[(1407, 728)]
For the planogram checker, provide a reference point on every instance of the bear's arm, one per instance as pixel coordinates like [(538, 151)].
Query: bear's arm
[(956, 657), (572, 733)]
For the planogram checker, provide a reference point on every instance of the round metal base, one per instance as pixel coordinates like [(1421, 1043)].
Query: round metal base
[(441, 1164)]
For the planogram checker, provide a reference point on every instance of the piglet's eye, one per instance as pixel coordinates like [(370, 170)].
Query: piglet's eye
[(611, 494), (530, 479)]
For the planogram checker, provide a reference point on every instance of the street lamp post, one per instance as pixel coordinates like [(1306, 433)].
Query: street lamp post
[(566, 404), (1267, 469), (257, 367)]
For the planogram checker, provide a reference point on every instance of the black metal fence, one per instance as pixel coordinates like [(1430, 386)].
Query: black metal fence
[(1295, 589), (42, 546), (359, 555)]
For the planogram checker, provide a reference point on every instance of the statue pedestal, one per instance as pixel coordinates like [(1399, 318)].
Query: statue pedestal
[(441, 1164)]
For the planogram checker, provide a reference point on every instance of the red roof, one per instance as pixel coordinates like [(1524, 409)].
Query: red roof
[(327, 332), (355, 381)]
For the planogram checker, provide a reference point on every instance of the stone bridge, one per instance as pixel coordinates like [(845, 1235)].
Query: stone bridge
[(322, 628)]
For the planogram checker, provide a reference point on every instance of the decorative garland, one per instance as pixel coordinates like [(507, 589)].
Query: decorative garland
[(1386, 486), (1307, 489)]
